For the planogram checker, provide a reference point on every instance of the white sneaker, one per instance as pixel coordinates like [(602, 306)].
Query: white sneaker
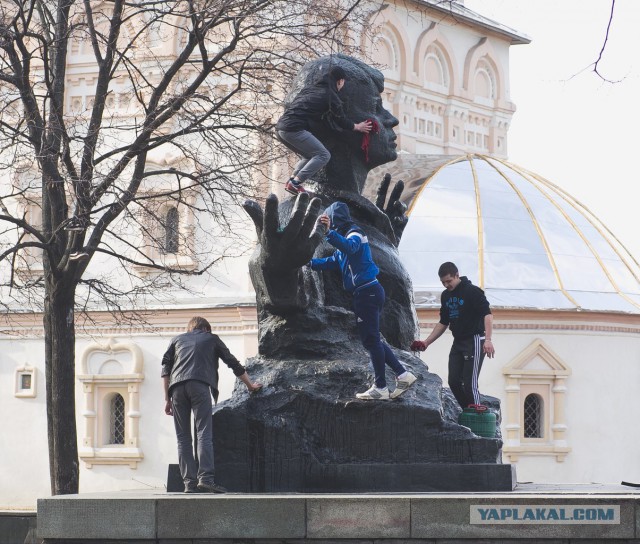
[(402, 385), (373, 393)]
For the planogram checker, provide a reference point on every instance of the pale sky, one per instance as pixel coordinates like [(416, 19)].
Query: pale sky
[(577, 131)]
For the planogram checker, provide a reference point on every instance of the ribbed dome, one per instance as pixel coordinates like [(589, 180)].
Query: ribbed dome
[(524, 240)]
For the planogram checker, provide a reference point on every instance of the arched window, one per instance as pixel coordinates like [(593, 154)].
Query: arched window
[(486, 85), (533, 416), (384, 52), (116, 420), (483, 84), (433, 70), (436, 70), (387, 51), (171, 226)]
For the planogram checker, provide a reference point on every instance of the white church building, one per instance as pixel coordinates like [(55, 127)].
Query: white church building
[(564, 292)]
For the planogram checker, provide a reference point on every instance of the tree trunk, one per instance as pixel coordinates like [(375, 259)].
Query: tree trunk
[(60, 339)]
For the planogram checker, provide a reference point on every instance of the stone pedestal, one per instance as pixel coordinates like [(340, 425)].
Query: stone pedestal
[(306, 432)]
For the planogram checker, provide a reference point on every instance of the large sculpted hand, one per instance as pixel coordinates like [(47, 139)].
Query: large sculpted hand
[(292, 246), (275, 266), (396, 209)]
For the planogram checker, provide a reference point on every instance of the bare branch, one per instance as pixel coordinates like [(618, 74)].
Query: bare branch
[(594, 66)]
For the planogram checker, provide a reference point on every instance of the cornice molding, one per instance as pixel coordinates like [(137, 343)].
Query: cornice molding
[(228, 319), (243, 319), (532, 320)]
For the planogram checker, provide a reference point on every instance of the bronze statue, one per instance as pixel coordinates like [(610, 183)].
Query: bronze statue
[(289, 293), (305, 431)]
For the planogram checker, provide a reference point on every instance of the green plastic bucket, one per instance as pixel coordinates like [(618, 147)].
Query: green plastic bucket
[(482, 423)]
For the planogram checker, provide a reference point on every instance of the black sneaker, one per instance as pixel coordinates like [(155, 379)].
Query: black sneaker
[(210, 488), (191, 489)]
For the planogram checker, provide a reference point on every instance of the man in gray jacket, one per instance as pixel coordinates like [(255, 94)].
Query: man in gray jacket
[(190, 376)]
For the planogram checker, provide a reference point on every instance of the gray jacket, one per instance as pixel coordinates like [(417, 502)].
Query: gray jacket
[(194, 355)]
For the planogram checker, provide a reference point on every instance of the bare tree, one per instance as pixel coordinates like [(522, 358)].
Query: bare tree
[(127, 128)]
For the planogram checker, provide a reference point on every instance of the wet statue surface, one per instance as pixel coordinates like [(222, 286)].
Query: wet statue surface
[(305, 431)]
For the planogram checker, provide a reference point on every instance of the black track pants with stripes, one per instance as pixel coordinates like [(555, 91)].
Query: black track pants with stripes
[(465, 362)]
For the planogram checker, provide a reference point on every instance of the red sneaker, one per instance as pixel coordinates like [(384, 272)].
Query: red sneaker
[(294, 188)]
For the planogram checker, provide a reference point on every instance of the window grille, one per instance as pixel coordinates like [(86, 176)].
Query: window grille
[(116, 435), (171, 226), (533, 416)]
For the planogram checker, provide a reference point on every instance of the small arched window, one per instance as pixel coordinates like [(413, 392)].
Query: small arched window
[(116, 420), (533, 416), (171, 226), (433, 70), (483, 84), (386, 51), (436, 71), (486, 84), (385, 54)]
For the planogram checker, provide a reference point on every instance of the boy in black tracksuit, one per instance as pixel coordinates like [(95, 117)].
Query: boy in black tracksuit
[(465, 310)]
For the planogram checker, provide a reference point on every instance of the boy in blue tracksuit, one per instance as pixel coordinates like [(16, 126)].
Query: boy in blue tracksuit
[(359, 277)]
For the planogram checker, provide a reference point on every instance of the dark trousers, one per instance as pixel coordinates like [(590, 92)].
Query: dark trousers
[(186, 397), (465, 362), (315, 154), (367, 305)]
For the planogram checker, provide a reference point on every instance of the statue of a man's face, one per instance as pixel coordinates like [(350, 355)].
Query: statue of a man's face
[(362, 100)]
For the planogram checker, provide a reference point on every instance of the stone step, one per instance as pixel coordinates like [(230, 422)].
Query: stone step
[(531, 513)]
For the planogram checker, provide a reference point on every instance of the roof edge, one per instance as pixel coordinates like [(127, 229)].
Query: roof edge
[(462, 13)]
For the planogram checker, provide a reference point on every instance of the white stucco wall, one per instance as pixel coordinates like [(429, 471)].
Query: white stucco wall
[(600, 400), (600, 403), (24, 470)]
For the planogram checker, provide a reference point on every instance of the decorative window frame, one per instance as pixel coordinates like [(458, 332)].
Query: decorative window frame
[(31, 391), (153, 231), (524, 376), (99, 384)]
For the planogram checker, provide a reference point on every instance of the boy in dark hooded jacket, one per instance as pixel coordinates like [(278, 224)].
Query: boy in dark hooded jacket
[(315, 105), (465, 311), (359, 277)]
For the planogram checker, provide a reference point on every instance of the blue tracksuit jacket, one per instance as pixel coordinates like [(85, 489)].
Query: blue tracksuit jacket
[(352, 255)]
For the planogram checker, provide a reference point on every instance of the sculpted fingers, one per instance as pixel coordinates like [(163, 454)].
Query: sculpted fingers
[(271, 217), (311, 217), (395, 195), (398, 213), (255, 212), (382, 191), (292, 229)]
